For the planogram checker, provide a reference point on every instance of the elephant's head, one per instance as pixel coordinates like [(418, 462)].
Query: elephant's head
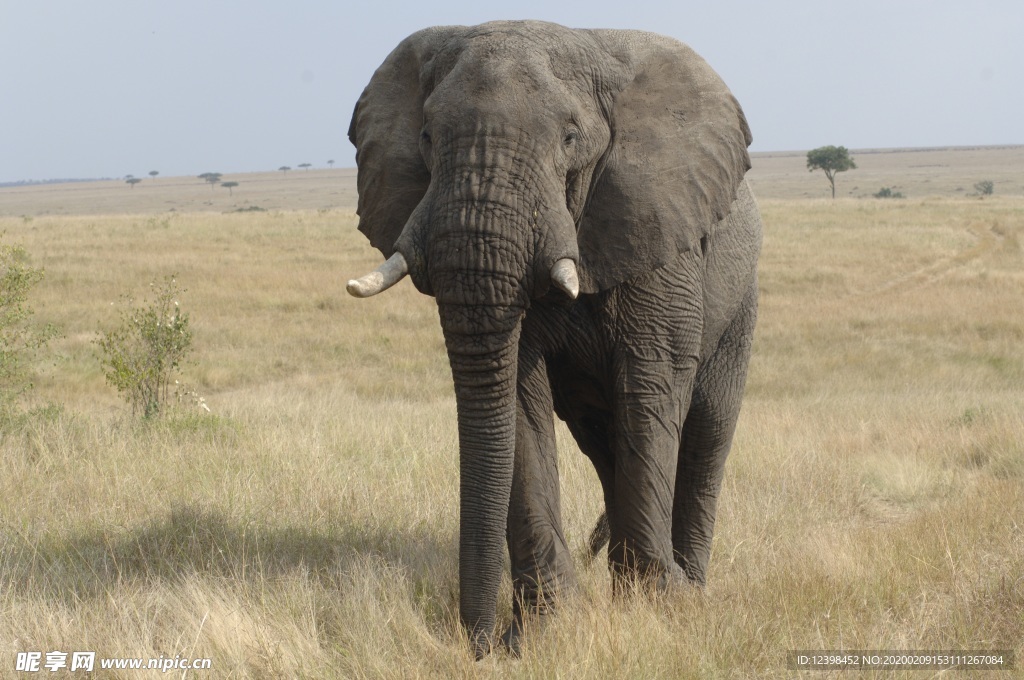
[(497, 160)]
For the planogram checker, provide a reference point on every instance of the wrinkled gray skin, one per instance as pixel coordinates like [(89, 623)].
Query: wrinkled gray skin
[(485, 155)]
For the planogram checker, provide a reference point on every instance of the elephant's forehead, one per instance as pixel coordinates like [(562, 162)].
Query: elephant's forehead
[(500, 66), (504, 74), (534, 53)]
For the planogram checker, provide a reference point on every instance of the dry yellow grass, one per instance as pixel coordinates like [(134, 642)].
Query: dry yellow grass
[(307, 527)]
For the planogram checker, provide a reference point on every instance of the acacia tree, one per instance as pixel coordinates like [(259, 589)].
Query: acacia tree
[(330, 163), (284, 169), (831, 159), (305, 166), (212, 177), (154, 173), (132, 181), (229, 186)]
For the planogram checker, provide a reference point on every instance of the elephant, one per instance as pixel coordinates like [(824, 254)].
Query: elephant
[(576, 203)]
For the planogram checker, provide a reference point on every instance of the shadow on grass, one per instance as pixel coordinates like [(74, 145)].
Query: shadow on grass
[(194, 541)]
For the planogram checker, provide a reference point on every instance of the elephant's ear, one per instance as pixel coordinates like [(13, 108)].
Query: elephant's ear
[(385, 130), (677, 156)]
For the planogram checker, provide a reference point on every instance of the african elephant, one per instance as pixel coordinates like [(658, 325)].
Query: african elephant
[(575, 202)]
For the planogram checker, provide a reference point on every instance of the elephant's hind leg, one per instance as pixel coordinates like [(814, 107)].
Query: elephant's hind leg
[(707, 438)]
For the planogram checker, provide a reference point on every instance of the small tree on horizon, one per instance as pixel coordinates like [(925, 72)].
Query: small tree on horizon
[(330, 163), (154, 173), (212, 177), (132, 181), (284, 169), (831, 159), (305, 166), (229, 186)]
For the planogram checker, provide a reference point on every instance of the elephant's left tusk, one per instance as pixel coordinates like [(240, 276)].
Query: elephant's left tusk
[(380, 279), (563, 274)]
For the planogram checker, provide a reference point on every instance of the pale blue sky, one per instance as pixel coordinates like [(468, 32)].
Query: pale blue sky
[(113, 87)]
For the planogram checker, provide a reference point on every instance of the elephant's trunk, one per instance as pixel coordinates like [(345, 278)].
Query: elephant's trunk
[(484, 373), (489, 251), (479, 261)]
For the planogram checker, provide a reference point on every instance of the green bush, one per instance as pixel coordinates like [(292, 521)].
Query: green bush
[(141, 355), (20, 341), (886, 192), (985, 187)]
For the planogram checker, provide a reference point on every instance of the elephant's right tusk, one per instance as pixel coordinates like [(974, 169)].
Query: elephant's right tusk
[(563, 274), (382, 278)]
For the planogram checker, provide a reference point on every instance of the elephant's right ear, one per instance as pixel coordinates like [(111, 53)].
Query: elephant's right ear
[(385, 130)]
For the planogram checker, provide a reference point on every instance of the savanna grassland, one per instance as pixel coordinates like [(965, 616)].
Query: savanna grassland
[(307, 525)]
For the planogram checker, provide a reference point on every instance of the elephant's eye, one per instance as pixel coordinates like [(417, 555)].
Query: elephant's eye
[(425, 136), (570, 137)]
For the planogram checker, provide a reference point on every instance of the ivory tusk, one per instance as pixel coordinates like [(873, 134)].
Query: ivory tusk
[(380, 279), (563, 274)]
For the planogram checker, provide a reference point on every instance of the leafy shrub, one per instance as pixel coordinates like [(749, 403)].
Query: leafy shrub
[(20, 341), (886, 192), (984, 187), (141, 355)]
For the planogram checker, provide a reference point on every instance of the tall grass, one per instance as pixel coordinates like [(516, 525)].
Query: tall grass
[(307, 526)]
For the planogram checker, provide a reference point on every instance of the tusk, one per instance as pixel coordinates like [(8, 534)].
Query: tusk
[(380, 279), (563, 273)]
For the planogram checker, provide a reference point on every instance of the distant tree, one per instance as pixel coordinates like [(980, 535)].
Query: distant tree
[(985, 187), (154, 173), (212, 177), (284, 169), (330, 163), (229, 186), (831, 159), (305, 166), (132, 181), (128, 177)]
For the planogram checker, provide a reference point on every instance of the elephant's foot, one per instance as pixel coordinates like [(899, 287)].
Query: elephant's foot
[(673, 580), (530, 612), (661, 581), (533, 620), (482, 643), (512, 640)]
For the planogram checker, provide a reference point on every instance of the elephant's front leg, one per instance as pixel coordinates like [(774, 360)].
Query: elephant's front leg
[(542, 566), (660, 326)]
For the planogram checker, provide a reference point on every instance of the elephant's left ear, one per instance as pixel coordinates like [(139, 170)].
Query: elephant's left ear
[(677, 156)]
